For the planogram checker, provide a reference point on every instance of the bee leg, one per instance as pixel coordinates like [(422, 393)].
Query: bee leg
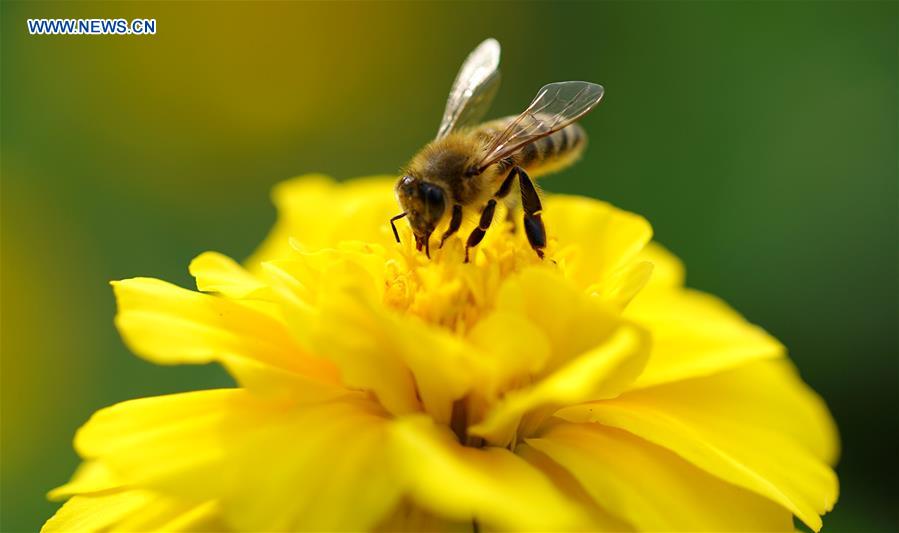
[(510, 216), (504, 189), (530, 202), (503, 192), (455, 222), (478, 233)]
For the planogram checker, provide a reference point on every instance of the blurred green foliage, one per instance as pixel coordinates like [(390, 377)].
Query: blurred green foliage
[(760, 139)]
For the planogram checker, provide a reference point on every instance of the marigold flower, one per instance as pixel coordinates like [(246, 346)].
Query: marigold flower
[(380, 390)]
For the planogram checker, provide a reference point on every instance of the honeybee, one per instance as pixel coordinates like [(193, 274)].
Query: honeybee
[(473, 166)]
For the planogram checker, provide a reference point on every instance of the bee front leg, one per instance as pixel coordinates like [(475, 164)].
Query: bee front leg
[(478, 233), (530, 203), (455, 223)]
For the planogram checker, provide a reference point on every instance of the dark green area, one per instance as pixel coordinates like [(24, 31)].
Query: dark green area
[(760, 139)]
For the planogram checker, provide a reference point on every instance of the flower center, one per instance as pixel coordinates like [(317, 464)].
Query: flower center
[(446, 291)]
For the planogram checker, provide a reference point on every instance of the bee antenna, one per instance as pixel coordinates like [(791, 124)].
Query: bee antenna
[(393, 220)]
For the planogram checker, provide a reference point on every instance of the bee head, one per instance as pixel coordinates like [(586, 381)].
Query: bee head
[(424, 203)]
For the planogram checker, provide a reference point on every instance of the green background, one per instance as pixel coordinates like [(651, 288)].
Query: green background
[(760, 139)]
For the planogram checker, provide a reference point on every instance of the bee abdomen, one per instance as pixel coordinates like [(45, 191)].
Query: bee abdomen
[(555, 149), (542, 156)]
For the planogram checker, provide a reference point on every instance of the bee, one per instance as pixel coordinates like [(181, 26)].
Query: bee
[(470, 166)]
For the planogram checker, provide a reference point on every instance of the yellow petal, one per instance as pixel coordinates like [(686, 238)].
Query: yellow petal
[(324, 462), (695, 334), (96, 513), (600, 519), (352, 265), (668, 270), (572, 322), (410, 518), (513, 350), (170, 325), (152, 440), (335, 313), (206, 516), (220, 274), (622, 285), (133, 510), (492, 486), (768, 395), (602, 372), (379, 351), (651, 487), (595, 238), (443, 373), (166, 514), (342, 316), (272, 465), (350, 332), (91, 476), (736, 426), (215, 272), (319, 213)]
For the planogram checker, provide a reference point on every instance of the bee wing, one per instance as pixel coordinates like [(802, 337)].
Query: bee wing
[(556, 105), (474, 88)]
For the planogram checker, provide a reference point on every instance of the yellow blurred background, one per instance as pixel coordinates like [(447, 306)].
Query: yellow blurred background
[(760, 139)]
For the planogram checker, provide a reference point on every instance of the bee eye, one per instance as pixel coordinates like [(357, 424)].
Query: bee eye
[(433, 195), (433, 199)]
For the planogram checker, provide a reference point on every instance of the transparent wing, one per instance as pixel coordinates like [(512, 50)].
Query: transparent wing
[(555, 106), (474, 88)]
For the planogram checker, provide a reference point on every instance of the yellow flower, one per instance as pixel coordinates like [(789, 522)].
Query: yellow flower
[(381, 390)]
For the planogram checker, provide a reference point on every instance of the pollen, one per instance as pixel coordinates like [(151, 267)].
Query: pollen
[(447, 292)]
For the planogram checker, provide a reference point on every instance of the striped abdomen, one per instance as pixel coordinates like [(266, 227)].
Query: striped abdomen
[(546, 155)]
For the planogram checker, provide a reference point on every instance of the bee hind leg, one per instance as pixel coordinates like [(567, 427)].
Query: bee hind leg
[(533, 222), (530, 203), (487, 214), (477, 234)]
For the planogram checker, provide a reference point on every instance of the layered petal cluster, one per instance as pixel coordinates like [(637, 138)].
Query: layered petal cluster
[(380, 390)]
